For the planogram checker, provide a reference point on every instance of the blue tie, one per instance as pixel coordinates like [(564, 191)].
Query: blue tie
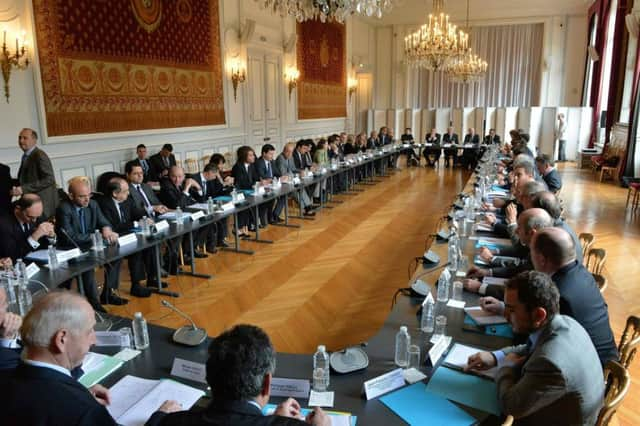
[(83, 225), (145, 167)]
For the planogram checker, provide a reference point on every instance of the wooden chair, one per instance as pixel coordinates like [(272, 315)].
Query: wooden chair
[(508, 421), (595, 260), (205, 160), (610, 162), (601, 281), (629, 341), (228, 160), (586, 240), (191, 165), (618, 382), (634, 188)]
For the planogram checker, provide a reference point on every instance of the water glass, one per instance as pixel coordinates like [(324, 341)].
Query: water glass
[(457, 290), (463, 263), (126, 337), (414, 356), (441, 325)]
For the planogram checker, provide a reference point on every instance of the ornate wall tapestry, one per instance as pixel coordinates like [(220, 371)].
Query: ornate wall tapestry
[(117, 65), (322, 87)]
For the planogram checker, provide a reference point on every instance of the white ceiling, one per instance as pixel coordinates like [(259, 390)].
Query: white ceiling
[(416, 11)]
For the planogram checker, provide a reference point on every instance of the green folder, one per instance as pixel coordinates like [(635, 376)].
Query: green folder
[(99, 367)]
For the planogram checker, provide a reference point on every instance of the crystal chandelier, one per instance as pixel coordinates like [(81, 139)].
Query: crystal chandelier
[(436, 44), (328, 10), (469, 67)]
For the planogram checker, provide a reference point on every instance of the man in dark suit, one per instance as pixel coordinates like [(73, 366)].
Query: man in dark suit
[(41, 390), (80, 217), (141, 160), (384, 137), (36, 175), (470, 153), (23, 231), (10, 323), (264, 166), (373, 142), (412, 157), (553, 252), (161, 163), (432, 153), (556, 377), (450, 138), (549, 174), (142, 195), (239, 371), (6, 185), (120, 211), (492, 138), (208, 181)]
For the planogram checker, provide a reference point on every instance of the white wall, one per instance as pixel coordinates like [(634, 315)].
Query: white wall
[(89, 153)]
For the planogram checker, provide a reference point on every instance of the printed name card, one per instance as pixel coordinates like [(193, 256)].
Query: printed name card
[(295, 388), (296, 181), (189, 370), (161, 226), (63, 256), (197, 215), (239, 197), (383, 384), (127, 239), (260, 190), (227, 206), (438, 348), (32, 269)]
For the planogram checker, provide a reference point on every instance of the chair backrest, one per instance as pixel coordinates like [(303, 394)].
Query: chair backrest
[(205, 160), (601, 281), (229, 160), (191, 165), (508, 421), (595, 260), (586, 240), (618, 381), (629, 341)]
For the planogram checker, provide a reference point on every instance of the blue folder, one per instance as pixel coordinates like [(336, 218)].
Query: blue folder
[(417, 406), (501, 330), (466, 389)]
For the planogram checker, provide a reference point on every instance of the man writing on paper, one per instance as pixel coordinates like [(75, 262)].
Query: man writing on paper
[(23, 231), (556, 377), (57, 334), (239, 371)]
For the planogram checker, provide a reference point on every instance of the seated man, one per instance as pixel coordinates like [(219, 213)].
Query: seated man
[(206, 179), (57, 334), (412, 157), (10, 323), (492, 138), (432, 153), (264, 166), (285, 168), (239, 371), (450, 138), (119, 209), (549, 174), (554, 379), (548, 202), (22, 231), (76, 221)]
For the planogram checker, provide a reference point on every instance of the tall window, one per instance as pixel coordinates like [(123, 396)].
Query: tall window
[(608, 61), (588, 69)]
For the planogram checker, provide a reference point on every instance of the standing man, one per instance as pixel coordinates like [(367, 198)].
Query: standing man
[(561, 129), (161, 163), (35, 175), (141, 160)]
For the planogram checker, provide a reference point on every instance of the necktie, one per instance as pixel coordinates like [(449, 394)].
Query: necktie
[(204, 187), (121, 214), (268, 168), (24, 158), (83, 225), (145, 166), (25, 229), (144, 197), (166, 161)]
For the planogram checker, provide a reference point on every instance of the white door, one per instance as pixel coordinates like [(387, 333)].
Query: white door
[(264, 83)]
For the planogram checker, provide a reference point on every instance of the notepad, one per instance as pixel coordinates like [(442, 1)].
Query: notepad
[(482, 317), (134, 400), (338, 418), (96, 367), (466, 389), (501, 330), (458, 357), (416, 405)]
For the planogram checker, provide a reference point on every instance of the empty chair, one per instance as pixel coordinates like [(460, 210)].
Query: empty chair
[(634, 189), (618, 382), (595, 260), (601, 281), (629, 341), (586, 240)]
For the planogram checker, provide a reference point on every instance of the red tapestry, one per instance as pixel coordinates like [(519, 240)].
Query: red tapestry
[(117, 65), (322, 87)]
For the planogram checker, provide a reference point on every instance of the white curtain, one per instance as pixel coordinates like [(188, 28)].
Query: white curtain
[(514, 55)]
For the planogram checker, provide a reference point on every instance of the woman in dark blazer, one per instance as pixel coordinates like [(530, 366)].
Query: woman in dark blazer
[(245, 176)]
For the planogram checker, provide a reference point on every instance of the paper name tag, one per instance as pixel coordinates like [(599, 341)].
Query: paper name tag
[(438, 349), (163, 225), (68, 255), (127, 239), (461, 274), (127, 354), (411, 375), (189, 370), (197, 215), (227, 206), (260, 190), (321, 399), (295, 388), (458, 304), (32, 269), (383, 384), (110, 338)]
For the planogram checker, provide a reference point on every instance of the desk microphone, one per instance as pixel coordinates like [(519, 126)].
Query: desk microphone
[(66, 234), (186, 335)]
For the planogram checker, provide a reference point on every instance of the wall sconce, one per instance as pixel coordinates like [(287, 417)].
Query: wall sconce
[(238, 75), (291, 76), (10, 60), (352, 87)]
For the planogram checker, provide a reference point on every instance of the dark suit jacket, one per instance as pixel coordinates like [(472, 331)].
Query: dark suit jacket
[(581, 299), (261, 168), (553, 180), (407, 138), (474, 140), (138, 200), (147, 173), (446, 138), (173, 197), (428, 139), (157, 165), (300, 160), (9, 358), (121, 225), (227, 413), (207, 188), (67, 218), (36, 176), (244, 178), (488, 140), (373, 143), (42, 396), (6, 183), (385, 139), (14, 242)]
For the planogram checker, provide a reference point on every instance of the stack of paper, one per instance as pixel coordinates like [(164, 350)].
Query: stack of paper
[(459, 355), (338, 418), (96, 367), (482, 317)]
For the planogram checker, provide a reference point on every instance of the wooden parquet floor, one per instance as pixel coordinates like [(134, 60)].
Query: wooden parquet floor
[(332, 280)]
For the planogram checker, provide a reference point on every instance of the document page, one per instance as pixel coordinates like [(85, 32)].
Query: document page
[(459, 355), (483, 317), (126, 393)]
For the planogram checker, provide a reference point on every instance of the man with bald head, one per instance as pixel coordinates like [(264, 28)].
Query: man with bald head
[(548, 201), (35, 175), (57, 334), (24, 231), (80, 217), (553, 252)]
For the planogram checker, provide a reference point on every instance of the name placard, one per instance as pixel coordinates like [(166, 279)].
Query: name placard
[(438, 348), (189, 370), (63, 256), (227, 206), (296, 181), (32, 269), (260, 190), (197, 215), (295, 388), (127, 239), (163, 225), (239, 197), (383, 384)]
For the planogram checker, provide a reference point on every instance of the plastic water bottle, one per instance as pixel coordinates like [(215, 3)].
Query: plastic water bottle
[(234, 195), (21, 272), (144, 225), (443, 289), (428, 315), (321, 369), (403, 341), (53, 257), (210, 206), (452, 252), (140, 331), (25, 301), (97, 241), (179, 219)]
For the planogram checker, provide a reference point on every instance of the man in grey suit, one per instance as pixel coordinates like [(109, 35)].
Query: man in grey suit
[(556, 378), (141, 193), (35, 175), (285, 166)]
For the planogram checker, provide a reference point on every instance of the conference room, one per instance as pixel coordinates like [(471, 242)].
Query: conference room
[(376, 212)]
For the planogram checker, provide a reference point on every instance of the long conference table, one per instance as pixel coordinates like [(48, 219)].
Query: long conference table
[(156, 361)]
